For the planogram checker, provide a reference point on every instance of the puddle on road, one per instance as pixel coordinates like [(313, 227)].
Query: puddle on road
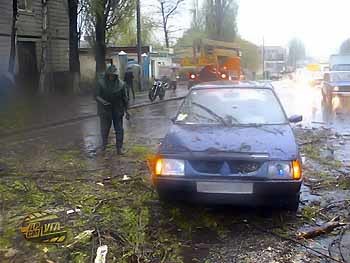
[(315, 112), (307, 198)]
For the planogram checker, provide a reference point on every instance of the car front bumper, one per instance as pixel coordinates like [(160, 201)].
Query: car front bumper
[(341, 93), (267, 192)]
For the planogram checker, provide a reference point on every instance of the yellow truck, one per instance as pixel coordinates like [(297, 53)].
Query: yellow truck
[(315, 74), (209, 60)]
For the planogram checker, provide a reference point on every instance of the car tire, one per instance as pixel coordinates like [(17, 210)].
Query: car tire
[(292, 204), (163, 196)]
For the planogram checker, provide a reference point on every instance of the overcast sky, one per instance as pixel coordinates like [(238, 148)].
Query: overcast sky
[(322, 24)]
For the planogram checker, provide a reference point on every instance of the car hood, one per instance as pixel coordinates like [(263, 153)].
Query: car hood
[(276, 141)]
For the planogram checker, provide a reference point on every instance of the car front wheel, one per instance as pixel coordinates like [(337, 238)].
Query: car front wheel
[(163, 195), (292, 203)]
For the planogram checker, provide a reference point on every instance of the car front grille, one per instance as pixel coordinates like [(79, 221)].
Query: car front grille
[(344, 89), (216, 167), (209, 167), (244, 167)]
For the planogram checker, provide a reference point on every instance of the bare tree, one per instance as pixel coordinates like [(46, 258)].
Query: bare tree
[(197, 21), (296, 52), (100, 16), (168, 9), (220, 19)]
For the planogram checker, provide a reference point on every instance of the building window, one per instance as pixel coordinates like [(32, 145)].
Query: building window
[(25, 4)]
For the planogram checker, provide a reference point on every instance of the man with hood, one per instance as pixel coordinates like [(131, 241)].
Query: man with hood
[(112, 103)]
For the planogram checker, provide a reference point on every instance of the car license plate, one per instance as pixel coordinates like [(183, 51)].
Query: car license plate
[(224, 188)]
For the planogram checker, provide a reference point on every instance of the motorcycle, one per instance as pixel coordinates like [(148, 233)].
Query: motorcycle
[(157, 90)]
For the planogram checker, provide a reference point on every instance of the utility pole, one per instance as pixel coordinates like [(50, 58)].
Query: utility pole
[(139, 44)]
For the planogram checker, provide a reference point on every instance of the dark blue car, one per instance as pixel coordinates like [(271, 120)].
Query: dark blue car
[(230, 143)]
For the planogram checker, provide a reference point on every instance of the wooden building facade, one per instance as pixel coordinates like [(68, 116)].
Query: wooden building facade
[(31, 34)]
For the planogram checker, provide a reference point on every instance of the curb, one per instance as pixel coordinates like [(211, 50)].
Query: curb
[(136, 106), (81, 118)]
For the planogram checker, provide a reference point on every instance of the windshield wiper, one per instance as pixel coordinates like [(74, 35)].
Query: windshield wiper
[(221, 119), (255, 125), (204, 117), (231, 119)]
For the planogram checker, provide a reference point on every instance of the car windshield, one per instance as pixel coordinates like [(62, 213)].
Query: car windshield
[(344, 67), (231, 106)]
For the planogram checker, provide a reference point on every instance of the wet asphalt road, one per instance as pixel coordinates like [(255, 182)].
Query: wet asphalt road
[(301, 98), (149, 124), (80, 124)]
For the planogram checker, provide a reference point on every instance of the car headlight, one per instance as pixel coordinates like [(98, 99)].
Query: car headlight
[(280, 170), (170, 167), (285, 170), (336, 88)]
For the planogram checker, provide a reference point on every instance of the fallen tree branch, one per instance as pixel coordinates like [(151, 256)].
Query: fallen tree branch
[(330, 205), (343, 172), (340, 242), (320, 230), (101, 202), (310, 142), (117, 236), (296, 242)]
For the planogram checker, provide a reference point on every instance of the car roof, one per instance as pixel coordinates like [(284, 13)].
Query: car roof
[(233, 84)]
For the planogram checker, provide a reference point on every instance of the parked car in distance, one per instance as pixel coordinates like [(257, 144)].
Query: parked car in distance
[(335, 83), (230, 143)]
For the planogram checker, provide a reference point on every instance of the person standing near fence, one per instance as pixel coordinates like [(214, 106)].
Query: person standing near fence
[(112, 102), (129, 80)]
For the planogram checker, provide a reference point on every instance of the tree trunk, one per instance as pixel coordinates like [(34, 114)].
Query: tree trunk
[(100, 44), (219, 16), (12, 59), (43, 80), (74, 63), (166, 36)]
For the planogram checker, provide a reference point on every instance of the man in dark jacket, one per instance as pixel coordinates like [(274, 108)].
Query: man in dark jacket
[(129, 79), (112, 103)]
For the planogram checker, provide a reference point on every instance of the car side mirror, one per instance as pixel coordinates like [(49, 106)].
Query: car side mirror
[(295, 119)]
